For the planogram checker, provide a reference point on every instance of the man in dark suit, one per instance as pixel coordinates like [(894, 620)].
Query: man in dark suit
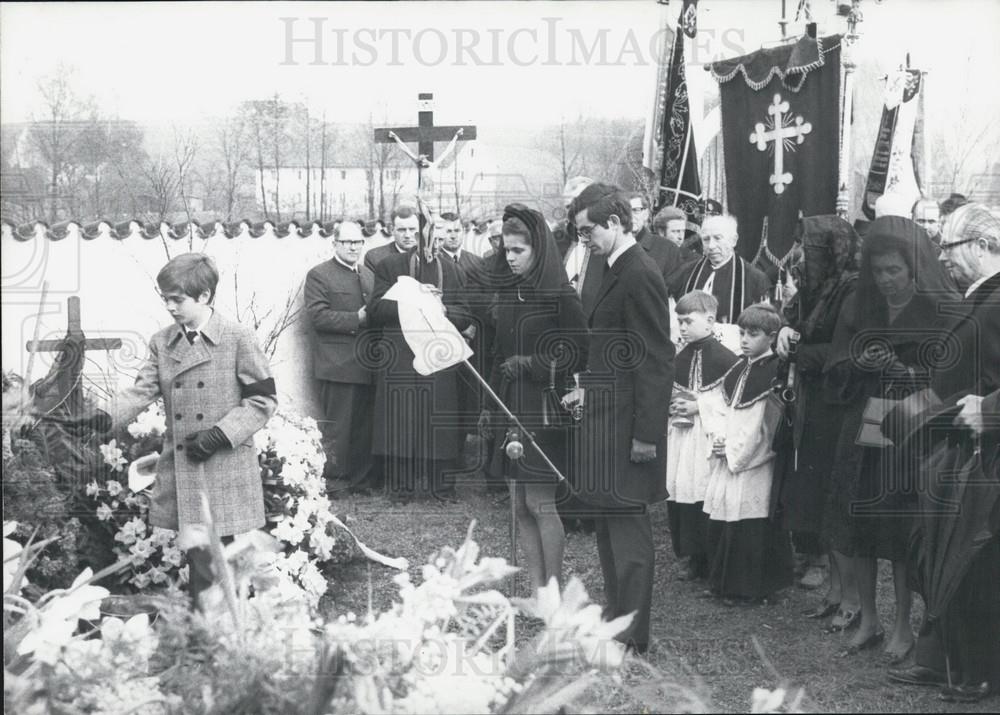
[(620, 459), (449, 227), (336, 292), (667, 255), (671, 224), (732, 280), (404, 237)]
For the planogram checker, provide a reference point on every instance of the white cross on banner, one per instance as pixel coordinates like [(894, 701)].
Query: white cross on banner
[(782, 129), (434, 340)]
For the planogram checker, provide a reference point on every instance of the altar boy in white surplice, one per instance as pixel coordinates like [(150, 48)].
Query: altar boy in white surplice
[(699, 368), (749, 554)]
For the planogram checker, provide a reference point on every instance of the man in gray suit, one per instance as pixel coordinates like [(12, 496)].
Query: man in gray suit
[(336, 292)]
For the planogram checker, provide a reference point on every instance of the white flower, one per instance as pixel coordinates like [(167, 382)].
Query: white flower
[(114, 487), (287, 531), (93, 489), (163, 537), (57, 618), (767, 701), (141, 551), (172, 556), (151, 422), (104, 512), (113, 456), (133, 529)]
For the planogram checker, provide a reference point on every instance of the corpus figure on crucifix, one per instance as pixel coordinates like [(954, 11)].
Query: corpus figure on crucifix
[(424, 135)]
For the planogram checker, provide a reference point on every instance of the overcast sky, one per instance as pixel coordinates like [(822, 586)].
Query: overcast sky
[(499, 62)]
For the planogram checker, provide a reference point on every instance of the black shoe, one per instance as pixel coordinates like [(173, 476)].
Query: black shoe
[(965, 693), (870, 642), (917, 675), (824, 610), (447, 496), (636, 648)]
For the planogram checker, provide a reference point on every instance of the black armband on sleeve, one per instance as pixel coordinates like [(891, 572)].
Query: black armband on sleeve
[(264, 388)]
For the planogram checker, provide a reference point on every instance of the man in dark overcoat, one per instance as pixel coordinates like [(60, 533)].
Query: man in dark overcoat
[(620, 458), (415, 415), (970, 375), (335, 294)]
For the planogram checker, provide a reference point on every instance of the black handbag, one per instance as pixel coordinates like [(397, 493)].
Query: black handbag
[(553, 413)]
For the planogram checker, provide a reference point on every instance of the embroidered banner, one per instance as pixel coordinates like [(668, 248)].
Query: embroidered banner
[(781, 133), (893, 170), (677, 159)]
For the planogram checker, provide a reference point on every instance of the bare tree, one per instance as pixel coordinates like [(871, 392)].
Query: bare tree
[(161, 182), (185, 150), (55, 133), (278, 119), (322, 168), (234, 151), (268, 323), (255, 116)]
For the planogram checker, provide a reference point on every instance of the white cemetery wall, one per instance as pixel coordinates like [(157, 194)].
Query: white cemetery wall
[(261, 284)]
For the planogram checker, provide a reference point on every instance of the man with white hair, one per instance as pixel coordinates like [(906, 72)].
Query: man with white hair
[(970, 249), (734, 282)]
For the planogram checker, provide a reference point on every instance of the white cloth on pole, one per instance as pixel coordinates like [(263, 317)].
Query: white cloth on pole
[(434, 340)]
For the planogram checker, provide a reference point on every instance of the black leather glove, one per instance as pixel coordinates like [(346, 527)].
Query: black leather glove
[(203, 444), (513, 367)]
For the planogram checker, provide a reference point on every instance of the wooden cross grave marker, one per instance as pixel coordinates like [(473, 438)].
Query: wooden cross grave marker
[(425, 134), (71, 349)]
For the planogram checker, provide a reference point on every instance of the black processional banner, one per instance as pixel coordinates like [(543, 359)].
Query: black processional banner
[(678, 160), (781, 141)]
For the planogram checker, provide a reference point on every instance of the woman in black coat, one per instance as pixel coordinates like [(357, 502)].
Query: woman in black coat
[(541, 340), (825, 278), (888, 338)]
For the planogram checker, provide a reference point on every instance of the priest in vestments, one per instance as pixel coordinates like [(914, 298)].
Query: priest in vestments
[(734, 282)]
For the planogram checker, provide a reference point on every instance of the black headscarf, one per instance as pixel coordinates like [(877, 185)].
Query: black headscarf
[(866, 314), (932, 281), (827, 273), (546, 272)]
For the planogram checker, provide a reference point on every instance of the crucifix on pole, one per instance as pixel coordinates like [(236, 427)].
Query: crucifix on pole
[(69, 363), (424, 135)]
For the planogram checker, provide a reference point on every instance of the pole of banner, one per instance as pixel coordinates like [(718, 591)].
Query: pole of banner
[(927, 188), (847, 109), (528, 437)]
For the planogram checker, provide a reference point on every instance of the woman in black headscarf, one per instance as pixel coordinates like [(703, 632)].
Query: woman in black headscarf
[(825, 276), (888, 336), (541, 340)]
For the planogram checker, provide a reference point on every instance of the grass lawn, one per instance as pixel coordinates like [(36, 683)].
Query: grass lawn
[(699, 643)]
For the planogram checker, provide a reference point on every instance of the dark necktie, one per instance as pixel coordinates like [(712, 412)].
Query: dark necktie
[(190, 335)]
